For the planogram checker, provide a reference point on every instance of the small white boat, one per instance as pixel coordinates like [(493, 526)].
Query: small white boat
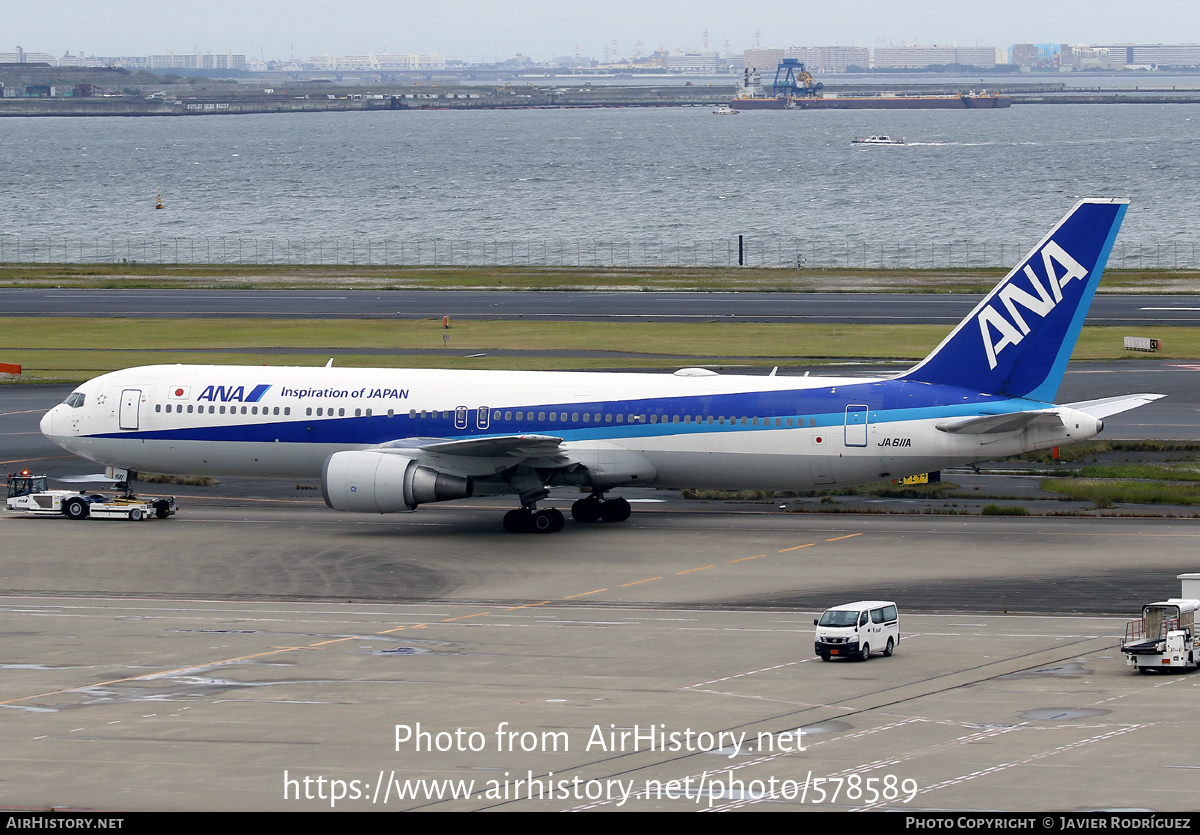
[(878, 139), (724, 110)]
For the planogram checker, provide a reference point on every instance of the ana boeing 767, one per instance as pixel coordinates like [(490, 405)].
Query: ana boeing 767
[(385, 440)]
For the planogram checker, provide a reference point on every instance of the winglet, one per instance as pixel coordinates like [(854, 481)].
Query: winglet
[(1018, 340)]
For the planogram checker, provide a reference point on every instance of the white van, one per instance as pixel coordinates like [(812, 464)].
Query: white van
[(855, 630)]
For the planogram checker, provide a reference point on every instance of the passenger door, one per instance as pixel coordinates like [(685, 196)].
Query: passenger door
[(131, 402)]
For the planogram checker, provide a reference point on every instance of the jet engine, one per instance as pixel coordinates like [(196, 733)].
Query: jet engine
[(365, 481)]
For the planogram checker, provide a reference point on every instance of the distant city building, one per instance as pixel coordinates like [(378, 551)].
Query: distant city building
[(816, 59), (919, 57), (371, 62), (23, 57), (694, 62), (80, 60), (1159, 55), (1087, 57), (763, 60), (830, 59), (1041, 56)]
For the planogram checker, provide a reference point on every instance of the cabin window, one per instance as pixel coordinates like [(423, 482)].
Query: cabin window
[(812, 421), (189, 408), (287, 410), (391, 412), (587, 418), (212, 410), (308, 411), (368, 412), (541, 415), (789, 421), (553, 416), (508, 415), (412, 413), (358, 412), (158, 407), (341, 412)]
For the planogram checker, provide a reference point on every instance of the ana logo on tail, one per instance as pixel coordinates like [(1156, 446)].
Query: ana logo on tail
[(1012, 332)]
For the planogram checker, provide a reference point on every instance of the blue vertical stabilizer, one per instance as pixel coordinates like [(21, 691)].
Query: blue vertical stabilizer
[(1018, 340)]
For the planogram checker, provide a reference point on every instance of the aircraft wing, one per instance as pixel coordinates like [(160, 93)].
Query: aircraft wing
[(515, 446), (1114, 405), (996, 424)]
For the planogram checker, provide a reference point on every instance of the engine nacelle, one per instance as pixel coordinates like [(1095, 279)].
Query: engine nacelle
[(364, 481)]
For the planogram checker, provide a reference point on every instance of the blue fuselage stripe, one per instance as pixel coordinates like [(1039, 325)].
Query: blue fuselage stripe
[(886, 401)]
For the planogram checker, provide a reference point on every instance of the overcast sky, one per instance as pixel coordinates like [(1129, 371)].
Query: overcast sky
[(477, 29)]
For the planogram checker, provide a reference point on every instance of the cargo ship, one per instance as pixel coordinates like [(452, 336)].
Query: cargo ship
[(795, 89)]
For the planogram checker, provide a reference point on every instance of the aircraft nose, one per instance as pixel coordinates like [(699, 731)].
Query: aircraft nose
[(47, 423)]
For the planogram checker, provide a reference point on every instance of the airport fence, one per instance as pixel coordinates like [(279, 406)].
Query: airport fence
[(790, 253)]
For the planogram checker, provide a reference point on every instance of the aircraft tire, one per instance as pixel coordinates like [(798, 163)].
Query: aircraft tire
[(75, 508), (518, 521), (586, 510), (547, 521), (615, 510)]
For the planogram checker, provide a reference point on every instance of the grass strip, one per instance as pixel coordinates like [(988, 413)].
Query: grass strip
[(1106, 492)]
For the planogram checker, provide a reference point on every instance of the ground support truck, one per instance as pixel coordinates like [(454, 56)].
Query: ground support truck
[(27, 494), (1164, 637)]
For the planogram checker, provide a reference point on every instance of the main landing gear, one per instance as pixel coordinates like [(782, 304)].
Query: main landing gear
[(595, 508), (531, 520)]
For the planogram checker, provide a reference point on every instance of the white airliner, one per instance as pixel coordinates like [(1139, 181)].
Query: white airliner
[(385, 440)]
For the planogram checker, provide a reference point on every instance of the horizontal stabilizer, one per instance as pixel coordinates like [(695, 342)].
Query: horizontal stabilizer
[(1114, 405), (996, 424), (521, 446)]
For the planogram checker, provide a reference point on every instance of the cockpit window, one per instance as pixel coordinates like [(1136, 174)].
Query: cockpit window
[(75, 400)]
